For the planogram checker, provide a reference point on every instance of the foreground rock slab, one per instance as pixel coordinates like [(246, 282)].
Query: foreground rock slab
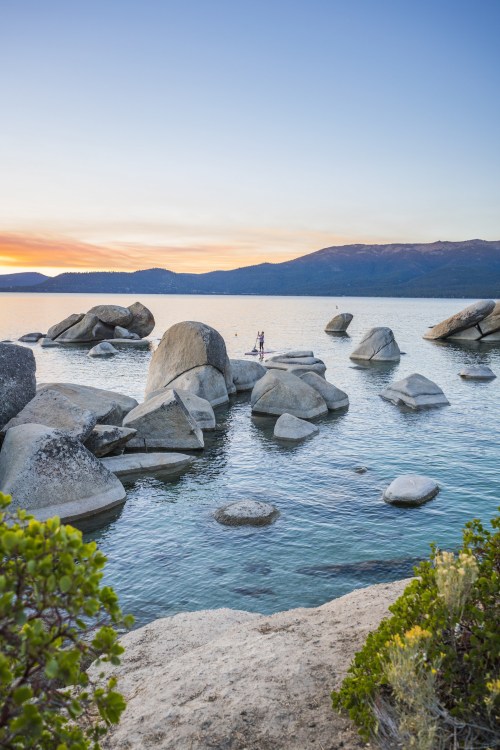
[(281, 392), (236, 680), (53, 409), (247, 513), (52, 474), (17, 380), (466, 318), (164, 422), (293, 429), (377, 345), (133, 466), (477, 372), (411, 489), (339, 324), (415, 391), (109, 407)]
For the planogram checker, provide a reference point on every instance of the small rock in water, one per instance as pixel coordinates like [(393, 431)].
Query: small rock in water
[(360, 469), (477, 372), (31, 337), (294, 429), (339, 323), (247, 513), (377, 345), (415, 391), (411, 489), (104, 349)]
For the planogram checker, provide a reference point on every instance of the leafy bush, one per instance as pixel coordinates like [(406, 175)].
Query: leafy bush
[(428, 677), (55, 618)]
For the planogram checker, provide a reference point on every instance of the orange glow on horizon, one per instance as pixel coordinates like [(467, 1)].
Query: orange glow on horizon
[(56, 254)]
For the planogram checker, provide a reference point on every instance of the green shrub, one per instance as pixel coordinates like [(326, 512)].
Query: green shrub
[(55, 618), (429, 676)]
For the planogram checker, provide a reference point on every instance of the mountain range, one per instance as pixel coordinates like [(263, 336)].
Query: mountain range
[(439, 269)]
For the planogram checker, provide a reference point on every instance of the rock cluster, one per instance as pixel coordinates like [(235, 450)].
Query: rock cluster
[(103, 322), (296, 362), (477, 322)]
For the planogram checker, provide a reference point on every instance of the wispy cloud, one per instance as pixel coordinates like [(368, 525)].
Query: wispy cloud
[(43, 251)]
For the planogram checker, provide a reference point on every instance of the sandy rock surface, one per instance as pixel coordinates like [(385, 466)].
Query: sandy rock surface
[(239, 681)]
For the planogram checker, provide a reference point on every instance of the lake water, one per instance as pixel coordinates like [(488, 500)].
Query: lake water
[(166, 553)]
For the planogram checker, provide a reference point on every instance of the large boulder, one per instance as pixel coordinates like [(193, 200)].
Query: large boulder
[(142, 322), (228, 680), (56, 330), (113, 315), (377, 345), (415, 391), (108, 406), (53, 409), (292, 428), (339, 324), (491, 324), (192, 356), (132, 466), (333, 396), (50, 473), (466, 318), (82, 332), (164, 422), (411, 489), (17, 380), (246, 373), (106, 438), (279, 392)]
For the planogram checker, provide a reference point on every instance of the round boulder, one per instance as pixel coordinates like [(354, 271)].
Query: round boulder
[(112, 315), (50, 474), (477, 372), (292, 428), (142, 322), (411, 489), (279, 392), (247, 513)]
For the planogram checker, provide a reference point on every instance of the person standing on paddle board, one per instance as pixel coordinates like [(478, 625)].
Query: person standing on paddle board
[(260, 337)]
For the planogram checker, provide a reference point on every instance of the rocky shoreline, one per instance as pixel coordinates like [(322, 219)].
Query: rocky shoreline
[(234, 680)]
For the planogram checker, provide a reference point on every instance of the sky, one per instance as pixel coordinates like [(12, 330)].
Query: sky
[(205, 134)]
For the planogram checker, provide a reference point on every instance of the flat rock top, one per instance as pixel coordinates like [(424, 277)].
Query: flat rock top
[(416, 385), (239, 681), (147, 462), (477, 372), (242, 512)]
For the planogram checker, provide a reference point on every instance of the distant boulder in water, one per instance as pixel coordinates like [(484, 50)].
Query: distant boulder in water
[(103, 322)]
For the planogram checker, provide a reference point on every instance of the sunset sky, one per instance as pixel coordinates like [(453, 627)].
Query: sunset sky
[(196, 135)]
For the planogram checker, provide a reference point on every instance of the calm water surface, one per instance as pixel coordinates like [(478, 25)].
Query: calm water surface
[(167, 554)]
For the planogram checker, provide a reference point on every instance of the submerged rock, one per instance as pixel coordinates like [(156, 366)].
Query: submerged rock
[(106, 438), (52, 409), (411, 489), (466, 318), (292, 428), (333, 396), (164, 422), (31, 338), (415, 391), (104, 349), (17, 380), (477, 372), (377, 345), (247, 513), (339, 324), (132, 466), (51, 474), (279, 392)]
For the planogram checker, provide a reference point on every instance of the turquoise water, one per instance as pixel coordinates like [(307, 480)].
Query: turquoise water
[(166, 553)]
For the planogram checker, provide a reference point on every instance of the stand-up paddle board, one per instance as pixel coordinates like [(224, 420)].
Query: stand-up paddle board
[(255, 352)]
